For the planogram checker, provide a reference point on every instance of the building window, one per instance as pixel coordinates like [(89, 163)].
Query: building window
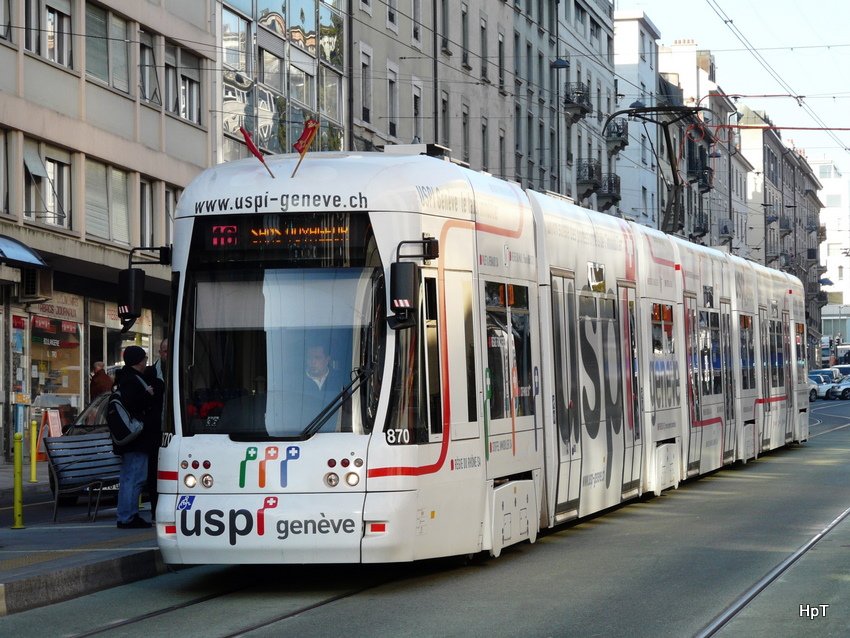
[(484, 60), (464, 35), (182, 83), (330, 96), (332, 42), (502, 154), (48, 29), (366, 85), (171, 196), (5, 23), (107, 48), (235, 37), (417, 21), (47, 188), (146, 208), (517, 61), (148, 74), (4, 175), (501, 56), (444, 116), (392, 19), (445, 17), (464, 128), (392, 102), (302, 25), (485, 146), (272, 70), (417, 113), (107, 202), (302, 86)]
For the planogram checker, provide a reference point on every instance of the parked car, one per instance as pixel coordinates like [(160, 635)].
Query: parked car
[(813, 390), (825, 387), (832, 373), (843, 369), (92, 419), (842, 389)]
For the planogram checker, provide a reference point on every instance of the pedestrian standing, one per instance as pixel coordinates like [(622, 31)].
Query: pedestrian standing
[(138, 396), (100, 382)]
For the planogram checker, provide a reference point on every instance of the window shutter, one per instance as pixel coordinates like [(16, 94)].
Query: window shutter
[(97, 205), (120, 207), (97, 50), (120, 68)]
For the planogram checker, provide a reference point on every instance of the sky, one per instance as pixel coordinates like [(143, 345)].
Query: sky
[(806, 46)]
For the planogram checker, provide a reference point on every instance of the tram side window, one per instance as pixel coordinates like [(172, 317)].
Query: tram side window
[(508, 350), (748, 369), (662, 329), (779, 348), (709, 349), (407, 417), (800, 339), (432, 341)]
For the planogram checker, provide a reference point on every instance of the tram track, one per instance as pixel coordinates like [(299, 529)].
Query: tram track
[(249, 582), (728, 614)]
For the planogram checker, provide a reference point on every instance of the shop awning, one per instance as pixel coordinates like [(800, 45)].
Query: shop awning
[(18, 254)]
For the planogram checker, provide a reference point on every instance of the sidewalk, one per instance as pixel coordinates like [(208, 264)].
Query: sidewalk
[(49, 562)]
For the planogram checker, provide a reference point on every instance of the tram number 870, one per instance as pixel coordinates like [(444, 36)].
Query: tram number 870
[(397, 436)]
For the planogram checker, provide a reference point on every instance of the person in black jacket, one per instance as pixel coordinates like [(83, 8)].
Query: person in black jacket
[(139, 397)]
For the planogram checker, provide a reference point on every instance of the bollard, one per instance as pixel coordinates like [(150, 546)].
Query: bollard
[(33, 450), (18, 494)]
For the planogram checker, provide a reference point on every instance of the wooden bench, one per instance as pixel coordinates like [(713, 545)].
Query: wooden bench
[(80, 463)]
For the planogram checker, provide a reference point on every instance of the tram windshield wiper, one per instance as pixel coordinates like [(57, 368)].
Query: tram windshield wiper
[(324, 415)]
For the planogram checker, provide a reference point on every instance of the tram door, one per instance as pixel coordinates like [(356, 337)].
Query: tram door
[(730, 434), (565, 358), (790, 402), (692, 334), (763, 423), (633, 412)]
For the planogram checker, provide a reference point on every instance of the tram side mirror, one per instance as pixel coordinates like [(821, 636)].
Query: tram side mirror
[(404, 294), (131, 288)]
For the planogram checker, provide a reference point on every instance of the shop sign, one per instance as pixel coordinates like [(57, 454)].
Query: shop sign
[(63, 305)]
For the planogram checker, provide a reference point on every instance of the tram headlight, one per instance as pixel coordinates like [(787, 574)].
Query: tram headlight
[(352, 478), (207, 480), (190, 481), (332, 479)]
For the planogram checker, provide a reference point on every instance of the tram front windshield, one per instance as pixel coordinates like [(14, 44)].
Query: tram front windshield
[(281, 352)]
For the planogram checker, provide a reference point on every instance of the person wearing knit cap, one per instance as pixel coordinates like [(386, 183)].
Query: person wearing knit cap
[(139, 397)]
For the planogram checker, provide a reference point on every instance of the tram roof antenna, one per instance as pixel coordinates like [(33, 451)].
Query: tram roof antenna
[(431, 150)]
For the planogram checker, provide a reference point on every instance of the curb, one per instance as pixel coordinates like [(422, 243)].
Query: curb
[(63, 584)]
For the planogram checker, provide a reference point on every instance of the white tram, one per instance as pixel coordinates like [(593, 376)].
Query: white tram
[(502, 361)]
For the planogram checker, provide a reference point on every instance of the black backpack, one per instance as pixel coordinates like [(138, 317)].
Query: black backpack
[(123, 426)]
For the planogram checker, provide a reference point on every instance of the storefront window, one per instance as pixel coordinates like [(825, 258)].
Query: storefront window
[(56, 365), (19, 384)]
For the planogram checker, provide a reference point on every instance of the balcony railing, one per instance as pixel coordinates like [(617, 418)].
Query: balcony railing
[(577, 101), (609, 191), (617, 135), (588, 177), (725, 229), (784, 226)]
